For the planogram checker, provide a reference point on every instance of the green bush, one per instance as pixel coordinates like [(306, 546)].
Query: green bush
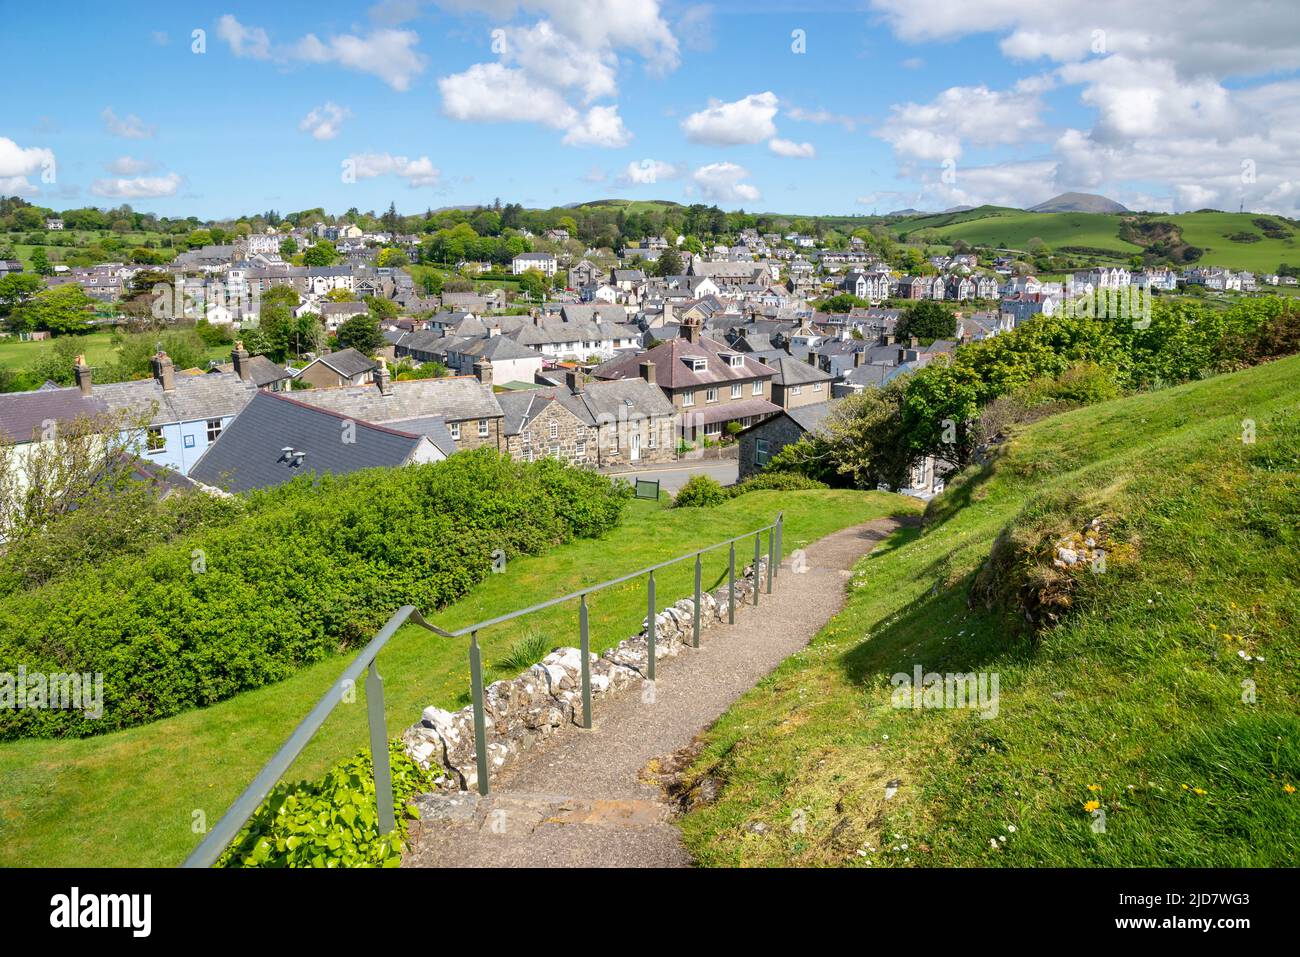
[(314, 567), (700, 491), (331, 822), (778, 481)]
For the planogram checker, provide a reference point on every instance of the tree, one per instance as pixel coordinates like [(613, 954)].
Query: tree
[(382, 308), (16, 288), (361, 333), (669, 264), (288, 247), (844, 302), (927, 321), (321, 254), (41, 262), (533, 283), (59, 310), (391, 257)]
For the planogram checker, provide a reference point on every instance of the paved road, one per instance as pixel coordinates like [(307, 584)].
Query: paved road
[(579, 800), (725, 471)]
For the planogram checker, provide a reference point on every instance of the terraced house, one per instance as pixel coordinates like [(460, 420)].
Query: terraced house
[(709, 383)]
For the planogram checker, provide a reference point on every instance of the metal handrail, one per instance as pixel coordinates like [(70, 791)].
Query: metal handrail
[(244, 806)]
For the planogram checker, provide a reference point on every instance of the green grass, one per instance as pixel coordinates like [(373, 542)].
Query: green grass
[(1012, 229), (1210, 231), (98, 348), (1134, 699), (128, 798)]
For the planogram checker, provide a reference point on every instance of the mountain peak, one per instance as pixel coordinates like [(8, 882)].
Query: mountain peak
[(1078, 203)]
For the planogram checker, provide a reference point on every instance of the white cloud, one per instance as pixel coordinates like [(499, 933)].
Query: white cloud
[(140, 187), (386, 53), (935, 131), (129, 127), (553, 70), (252, 42), (128, 166), (17, 163), (696, 27), (416, 172), (820, 116), (747, 120), (791, 149), (324, 122), (647, 172), (721, 182), (602, 126)]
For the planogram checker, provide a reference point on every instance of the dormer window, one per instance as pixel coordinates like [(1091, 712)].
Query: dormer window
[(699, 363), (736, 362)]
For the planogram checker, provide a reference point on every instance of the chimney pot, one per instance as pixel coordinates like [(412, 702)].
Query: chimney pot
[(483, 372), (164, 371), (383, 378), (82, 373), (239, 357), (648, 372)]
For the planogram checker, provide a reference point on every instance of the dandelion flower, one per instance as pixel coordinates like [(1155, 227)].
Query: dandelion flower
[(1092, 806), (1289, 788), (1198, 791), (1094, 787)]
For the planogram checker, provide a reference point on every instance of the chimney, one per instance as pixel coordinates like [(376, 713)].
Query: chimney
[(164, 371), (914, 342), (889, 340), (857, 358), (82, 372), (384, 378), (648, 372), (902, 356), (574, 378), (668, 312), (239, 356), (691, 331), (483, 372), (812, 357)]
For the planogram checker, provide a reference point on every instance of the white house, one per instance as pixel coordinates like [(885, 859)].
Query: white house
[(545, 263)]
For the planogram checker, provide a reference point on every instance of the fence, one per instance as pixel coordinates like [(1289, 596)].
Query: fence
[(226, 829)]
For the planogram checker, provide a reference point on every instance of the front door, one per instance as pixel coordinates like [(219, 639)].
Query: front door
[(634, 451)]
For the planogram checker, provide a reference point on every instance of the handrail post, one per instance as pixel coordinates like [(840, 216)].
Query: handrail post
[(758, 582), (480, 720), (771, 555), (650, 631), (731, 586), (699, 581), (584, 640), (780, 520), (379, 749)]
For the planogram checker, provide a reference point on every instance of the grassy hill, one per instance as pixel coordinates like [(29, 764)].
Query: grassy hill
[(127, 798), (1136, 697), (1236, 240)]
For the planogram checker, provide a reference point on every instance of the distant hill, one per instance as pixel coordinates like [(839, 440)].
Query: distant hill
[(958, 209), (908, 212), (1078, 203)]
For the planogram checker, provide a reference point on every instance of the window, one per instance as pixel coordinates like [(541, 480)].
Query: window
[(154, 440), (214, 430), (737, 390), (528, 439), (482, 428), (555, 451), (761, 453), (699, 364), (713, 428), (796, 390), (580, 450), (654, 436), (758, 387), (817, 386), (688, 398), (454, 427), (189, 442), (554, 430), (737, 362), (710, 395)]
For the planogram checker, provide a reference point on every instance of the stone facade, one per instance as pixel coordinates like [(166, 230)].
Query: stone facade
[(470, 436), (760, 443), (556, 432), (547, 698)]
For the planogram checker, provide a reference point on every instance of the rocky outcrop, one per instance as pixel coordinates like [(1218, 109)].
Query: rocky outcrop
[(547, 698)]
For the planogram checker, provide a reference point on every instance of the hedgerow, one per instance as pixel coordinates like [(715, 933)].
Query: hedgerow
[(311, 568)]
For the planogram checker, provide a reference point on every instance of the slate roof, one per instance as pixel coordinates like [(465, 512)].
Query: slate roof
[(261, 370), (346, 362), (249, 452), (597, 403), (790, 371), (23, 414), (213, 396), (674, 370), (726, 411), (456, 399)]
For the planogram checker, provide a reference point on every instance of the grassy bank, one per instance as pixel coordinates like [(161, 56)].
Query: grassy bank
[(129, 798), (1133, 700)]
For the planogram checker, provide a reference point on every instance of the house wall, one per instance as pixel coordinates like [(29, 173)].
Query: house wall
[(778, 431), (469, 437), (573, 442), (184, 442), (809, 393)]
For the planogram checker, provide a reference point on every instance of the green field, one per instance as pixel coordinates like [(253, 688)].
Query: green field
[(128, 798), (98, 347), (1004, 228), (1167, 693)]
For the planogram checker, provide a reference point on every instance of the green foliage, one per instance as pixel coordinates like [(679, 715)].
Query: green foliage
[(525, 653), (777, 481), (61, 310), (322, 253), (843, 302), (927, 320), (332, 822), (362, 333), (313, 566), (700, 491)]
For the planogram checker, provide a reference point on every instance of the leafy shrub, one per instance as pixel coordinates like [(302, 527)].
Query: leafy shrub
[(331, 822), (525, 652), (313, 567), (777, 481), (700, 491)]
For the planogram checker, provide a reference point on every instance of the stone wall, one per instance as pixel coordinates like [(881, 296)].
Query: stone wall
[(547, 698)]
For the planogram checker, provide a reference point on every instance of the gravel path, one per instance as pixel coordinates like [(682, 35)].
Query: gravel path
[(579, 799)]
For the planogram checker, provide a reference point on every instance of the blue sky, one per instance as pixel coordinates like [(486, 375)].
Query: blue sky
[(892, 103)]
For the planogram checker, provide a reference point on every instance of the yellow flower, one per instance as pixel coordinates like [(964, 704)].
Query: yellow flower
[(1198, 791), (1289, 788), (1214, 627), (1094, 787), (1092, 806)]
